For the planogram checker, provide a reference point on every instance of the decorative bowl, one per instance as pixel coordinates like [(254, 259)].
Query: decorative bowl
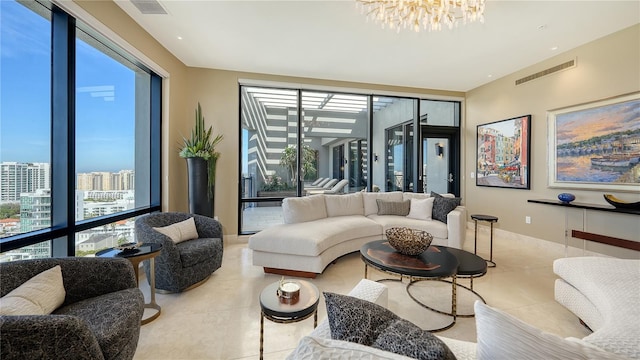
[(566, 197), (409, 241), (621, 204), (128, 246)]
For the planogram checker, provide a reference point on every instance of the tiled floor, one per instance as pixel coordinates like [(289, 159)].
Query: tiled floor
[(221, 318)]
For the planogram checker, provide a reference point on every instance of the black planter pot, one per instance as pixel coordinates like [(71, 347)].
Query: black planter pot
[(199, 201)]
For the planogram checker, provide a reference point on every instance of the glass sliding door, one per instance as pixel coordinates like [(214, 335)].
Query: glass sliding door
[(358, 159), (302, 142), (392, 143), (269, 154), (331, 123), (435, 165), (440, 134)]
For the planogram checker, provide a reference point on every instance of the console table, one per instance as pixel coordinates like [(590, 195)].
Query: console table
[(627, 244)]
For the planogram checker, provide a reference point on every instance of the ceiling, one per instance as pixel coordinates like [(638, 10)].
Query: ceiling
[(333, 40)]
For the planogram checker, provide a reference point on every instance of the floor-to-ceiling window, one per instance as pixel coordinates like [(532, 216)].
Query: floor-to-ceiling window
[(79, 120), (301, 142)]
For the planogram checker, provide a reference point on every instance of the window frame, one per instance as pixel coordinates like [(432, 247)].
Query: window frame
[(63, 137)]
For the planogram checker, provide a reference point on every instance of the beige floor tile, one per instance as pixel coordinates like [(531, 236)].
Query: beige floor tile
[(221, 318)]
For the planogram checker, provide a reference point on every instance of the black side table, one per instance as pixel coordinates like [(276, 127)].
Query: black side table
[(491, 220), (273, 309)]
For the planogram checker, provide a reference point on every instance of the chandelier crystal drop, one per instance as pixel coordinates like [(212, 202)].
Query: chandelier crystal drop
[(425, 14)]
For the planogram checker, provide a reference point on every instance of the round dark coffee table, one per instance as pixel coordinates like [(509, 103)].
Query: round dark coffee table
[(274, 309), (436, 263)]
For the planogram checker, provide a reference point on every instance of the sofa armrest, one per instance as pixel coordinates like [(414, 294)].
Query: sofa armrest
[(457, 227), (47, 337), (207, 227)]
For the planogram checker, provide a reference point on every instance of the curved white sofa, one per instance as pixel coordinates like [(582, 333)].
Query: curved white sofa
[(320, 228), (605, 294)]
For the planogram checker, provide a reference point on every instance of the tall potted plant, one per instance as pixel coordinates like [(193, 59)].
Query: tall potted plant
[(200, 152)]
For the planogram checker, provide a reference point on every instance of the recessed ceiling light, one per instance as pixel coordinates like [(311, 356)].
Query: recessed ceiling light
[(542, 27), (553, 48), (179, 37), (489, 76)]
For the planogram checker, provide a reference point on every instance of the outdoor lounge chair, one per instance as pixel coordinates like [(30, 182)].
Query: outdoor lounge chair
[(336, 189)]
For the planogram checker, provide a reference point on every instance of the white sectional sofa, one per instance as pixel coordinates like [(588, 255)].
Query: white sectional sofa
[(605, 294), (320, 228)]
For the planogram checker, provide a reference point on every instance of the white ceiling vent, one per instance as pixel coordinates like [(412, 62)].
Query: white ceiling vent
[(149, 7), (564, 66)]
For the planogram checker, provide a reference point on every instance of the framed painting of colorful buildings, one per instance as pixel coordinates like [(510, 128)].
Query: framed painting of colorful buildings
[(596, 146), (503, 153)]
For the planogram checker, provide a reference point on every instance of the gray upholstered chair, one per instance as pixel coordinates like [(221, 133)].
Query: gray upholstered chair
[(186, 264), (99, 319)]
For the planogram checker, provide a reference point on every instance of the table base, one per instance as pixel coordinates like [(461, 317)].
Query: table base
[(280, 320), (470, 289), (412, 280)]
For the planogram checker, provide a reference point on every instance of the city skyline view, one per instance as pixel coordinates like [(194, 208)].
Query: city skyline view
[(105, 97)]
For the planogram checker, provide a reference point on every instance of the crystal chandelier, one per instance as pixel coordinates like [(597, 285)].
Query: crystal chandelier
[(425, 14)]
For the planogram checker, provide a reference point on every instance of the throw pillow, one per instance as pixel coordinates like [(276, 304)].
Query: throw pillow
[(40, 295), (405, 338), (443, 206), (400, 208), (370, 200), (303, 209), (180, 231), (421, 209), (501, 336), (343, 205), (366, 323)]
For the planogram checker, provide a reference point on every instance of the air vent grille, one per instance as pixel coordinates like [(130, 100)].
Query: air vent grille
[(563, 66), (149, 7)]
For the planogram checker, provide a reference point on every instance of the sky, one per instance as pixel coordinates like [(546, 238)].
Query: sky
[(597, 121), (105, 97)]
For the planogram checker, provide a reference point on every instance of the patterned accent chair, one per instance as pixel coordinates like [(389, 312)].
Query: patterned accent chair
[(187, 264), (99, 319)]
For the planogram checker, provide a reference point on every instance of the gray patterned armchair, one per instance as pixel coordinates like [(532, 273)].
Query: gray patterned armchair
[(186, 264), (99, 319)]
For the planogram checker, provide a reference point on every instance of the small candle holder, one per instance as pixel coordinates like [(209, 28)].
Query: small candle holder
[(288, 292)]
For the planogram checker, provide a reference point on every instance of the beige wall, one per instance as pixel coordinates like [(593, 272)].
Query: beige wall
[(605, 68)]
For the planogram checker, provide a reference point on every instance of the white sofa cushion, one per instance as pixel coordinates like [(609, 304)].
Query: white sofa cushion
[(611, 285), (312, 348), (410, 195), (318, 235), (301, 209), (341, 205), (421, 208), (370, 204), (436, 228), (502, 336)]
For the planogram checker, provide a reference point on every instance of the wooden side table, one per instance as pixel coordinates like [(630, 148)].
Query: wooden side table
[(275, 310), (147, 251), (490, 219)]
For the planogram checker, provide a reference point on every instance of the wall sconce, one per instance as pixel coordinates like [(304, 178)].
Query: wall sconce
[(439, 150)]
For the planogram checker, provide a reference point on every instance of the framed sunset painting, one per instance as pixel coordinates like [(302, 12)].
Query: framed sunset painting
[(596, 146)]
